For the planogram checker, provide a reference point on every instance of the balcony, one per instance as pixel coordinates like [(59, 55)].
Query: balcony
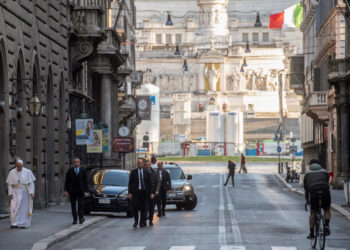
[(136, 79), (316, 106), (339, 70)]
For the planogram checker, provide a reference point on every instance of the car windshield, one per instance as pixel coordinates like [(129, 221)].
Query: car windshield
[(115, 179), (175, 173)]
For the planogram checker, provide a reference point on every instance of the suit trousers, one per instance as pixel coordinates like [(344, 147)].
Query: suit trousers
[(74, 198), (139, 203), (161, 201), (232, 175), (150, 208)]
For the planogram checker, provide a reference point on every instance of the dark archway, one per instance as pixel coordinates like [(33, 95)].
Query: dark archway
[(21, 101), (62, 134), (49, 143), (4, 138)]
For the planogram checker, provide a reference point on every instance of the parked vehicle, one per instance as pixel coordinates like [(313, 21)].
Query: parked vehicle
[(182, 192), (108, 192)]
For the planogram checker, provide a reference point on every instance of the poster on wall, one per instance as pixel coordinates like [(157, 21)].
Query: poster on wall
[(144, 104), (84, 131), (105, 139), (97, 145)]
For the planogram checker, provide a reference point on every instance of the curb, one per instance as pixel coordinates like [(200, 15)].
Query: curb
[(334, 207), (4, 216), (65, 234)]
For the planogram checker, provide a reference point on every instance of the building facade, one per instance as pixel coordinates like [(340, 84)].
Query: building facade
[(34, 60), (324, 42), (75, 56), (216, 54)]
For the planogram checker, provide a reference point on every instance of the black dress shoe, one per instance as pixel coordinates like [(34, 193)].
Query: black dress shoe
[(74, 222), (151, 223), (163, 213), (13, 226), (159, 215), (135, 224), (142, 225), (81, 221)]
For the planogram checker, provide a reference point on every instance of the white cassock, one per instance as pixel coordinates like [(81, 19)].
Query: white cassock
[(21, 185)]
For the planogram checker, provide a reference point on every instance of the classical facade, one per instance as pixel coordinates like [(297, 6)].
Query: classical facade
[(225, 57), (323, 31), (34, 60)]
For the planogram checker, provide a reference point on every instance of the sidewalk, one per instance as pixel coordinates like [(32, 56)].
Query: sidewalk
[(338, 196), (49, 226)]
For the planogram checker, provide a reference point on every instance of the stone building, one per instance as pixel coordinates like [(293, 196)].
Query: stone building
[(324, 41), (34, 60), (74, 55), (225, 56)]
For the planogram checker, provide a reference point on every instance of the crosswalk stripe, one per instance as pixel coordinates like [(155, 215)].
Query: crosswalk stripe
[(232, 248), (84, 249), (182, 248), (331, 248), (130, 248), (283, 248)]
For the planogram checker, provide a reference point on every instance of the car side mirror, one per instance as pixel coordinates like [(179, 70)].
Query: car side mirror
[(189, 177)]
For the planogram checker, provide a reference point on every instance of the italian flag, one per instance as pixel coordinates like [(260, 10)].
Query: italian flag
[(291, 17)]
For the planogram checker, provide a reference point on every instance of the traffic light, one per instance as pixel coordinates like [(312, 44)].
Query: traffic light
[(145, 144)]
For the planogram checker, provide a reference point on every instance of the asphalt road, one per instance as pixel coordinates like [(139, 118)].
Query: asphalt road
[(258, 213)]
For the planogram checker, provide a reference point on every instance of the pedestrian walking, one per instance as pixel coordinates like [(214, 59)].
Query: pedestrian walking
[(139, 190), (21, 191), (231, 173), (153, 159), (243, 167), (76, 188), (165, 187), (155, 186)]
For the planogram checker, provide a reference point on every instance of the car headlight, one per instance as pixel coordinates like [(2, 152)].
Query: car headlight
[(187, 187), (123, 195)]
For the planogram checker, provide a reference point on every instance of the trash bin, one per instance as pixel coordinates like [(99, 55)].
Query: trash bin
[(347, 192)]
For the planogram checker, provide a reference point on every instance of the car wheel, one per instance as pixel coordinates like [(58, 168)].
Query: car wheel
[(178, 207), (189, 205), (87, 212)]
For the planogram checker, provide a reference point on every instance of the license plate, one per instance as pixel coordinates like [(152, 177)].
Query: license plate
[(171, 195), (104, 201)]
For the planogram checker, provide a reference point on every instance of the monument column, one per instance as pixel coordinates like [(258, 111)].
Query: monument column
[(106, 108)]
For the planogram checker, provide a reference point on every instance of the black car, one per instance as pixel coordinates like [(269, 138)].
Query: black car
[(108, 192), (182, 192)]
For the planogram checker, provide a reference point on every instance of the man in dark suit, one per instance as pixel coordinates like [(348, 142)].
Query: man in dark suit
[(139, 190), (165, 187), (77, 188), (155, 186), (231, 172)]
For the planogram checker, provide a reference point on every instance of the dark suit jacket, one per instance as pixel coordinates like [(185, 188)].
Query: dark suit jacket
[(134, 181), (165, 183), (68, 185)]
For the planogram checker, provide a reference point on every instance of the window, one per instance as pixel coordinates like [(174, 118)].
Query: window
[(168, 38), (255, 37), (178, 38), (265, 36), (158, 38), (245, 37)]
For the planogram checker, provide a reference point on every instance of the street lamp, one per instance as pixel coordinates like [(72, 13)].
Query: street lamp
[(185, 66), (34, 106), (257, 21), (247, 49), (169, 22), (177, 51), (244, 63)]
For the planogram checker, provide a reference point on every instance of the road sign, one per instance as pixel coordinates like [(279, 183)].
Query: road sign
[(293, 149), (279, 149), (123, 145)]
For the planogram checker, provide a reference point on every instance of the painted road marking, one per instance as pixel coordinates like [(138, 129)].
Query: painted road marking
[(232, 248), (215, 186), (235, 228), (182, 248), (130, 248), (222, 229), (283, 248)]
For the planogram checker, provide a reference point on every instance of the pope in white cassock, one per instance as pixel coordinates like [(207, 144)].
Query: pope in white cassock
[(21, 192)]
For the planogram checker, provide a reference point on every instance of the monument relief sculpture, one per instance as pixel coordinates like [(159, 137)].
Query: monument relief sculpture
[(212, 78)]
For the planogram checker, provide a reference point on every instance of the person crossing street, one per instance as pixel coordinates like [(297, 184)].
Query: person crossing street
[(231, 167), (155, 186), (165, 187)]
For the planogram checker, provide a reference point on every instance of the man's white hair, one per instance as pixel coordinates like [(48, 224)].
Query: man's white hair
[(20, 161)]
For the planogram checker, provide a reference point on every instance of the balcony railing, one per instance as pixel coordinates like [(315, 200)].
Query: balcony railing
[(318, 98)]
